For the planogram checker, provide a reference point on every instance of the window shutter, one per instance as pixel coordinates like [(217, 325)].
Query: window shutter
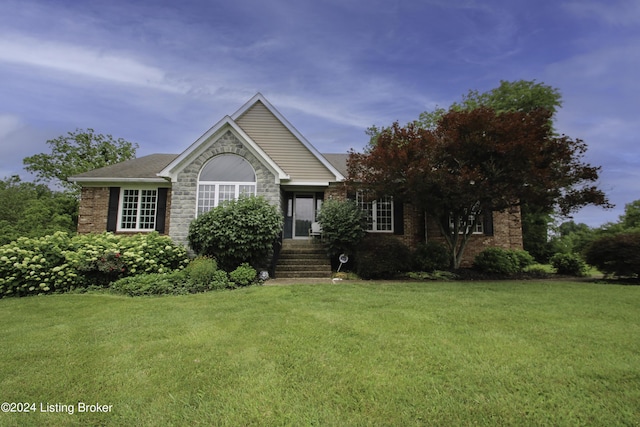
[(487, 224), (398, 218), (112, 212), (161, 210)]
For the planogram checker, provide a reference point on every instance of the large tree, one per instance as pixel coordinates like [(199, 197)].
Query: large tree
[(77, 152), (512, 96), (475, 161)]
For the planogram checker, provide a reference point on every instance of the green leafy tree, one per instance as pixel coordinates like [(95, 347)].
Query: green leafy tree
[(477, 161), (236, 232), (33, 210), (631, 218), (75, 153)]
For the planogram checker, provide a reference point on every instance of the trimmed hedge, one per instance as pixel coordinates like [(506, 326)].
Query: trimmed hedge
[(60, 262)]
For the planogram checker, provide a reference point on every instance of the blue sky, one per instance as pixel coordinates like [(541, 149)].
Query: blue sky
[(160, 73)]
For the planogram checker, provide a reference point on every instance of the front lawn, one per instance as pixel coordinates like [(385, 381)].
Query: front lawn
[(499, 353)]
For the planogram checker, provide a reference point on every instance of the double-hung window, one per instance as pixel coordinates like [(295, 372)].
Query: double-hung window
[(379, 213), (224, 178), (138, 209)]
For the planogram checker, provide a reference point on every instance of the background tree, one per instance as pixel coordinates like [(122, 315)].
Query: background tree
[(78, 152), (477, 161), (33, 210), (631, 217)]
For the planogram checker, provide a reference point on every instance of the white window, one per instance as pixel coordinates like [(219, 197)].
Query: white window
[(379, 213), (223, 178), (138, 209), (478, 227)]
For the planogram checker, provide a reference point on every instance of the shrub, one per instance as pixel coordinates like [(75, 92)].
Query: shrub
[(244, 275), (522, 258), (617, 255), (431, 256), (237, 231), (496, 261), (382, 257), (569, 264), (342, 226), (59, 262), (174, 283), (201, 271)]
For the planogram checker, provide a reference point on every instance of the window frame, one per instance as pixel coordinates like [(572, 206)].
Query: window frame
[(478, 226), (371, 210), (138, 210), (216, 193), (215, 201)]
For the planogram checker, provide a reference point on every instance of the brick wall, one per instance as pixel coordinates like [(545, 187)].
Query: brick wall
[(94, 208), (507, 234)]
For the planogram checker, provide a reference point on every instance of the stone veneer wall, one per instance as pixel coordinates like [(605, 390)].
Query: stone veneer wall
[(184, 191)]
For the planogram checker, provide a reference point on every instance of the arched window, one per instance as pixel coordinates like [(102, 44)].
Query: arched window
[(224, 177)]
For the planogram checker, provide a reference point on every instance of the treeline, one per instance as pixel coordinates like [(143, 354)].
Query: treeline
[(28, 209)]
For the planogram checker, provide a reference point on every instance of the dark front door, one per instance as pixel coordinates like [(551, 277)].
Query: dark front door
[(303, 215)]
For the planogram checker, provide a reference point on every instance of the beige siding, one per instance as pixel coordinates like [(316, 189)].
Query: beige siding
[(282, 146)]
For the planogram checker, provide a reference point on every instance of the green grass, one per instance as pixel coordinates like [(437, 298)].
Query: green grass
[(501, 353)]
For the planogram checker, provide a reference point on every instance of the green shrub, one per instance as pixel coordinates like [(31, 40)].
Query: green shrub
[(569, 264), (496, 261), (617, 255), (219, 280), (431, 256), (382, 257), (174, 283), (342, 226), (237, 231), (201, 270), (244, 275), (522, 258), (59, 262)]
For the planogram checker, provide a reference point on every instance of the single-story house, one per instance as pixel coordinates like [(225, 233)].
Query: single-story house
[(253, 151)]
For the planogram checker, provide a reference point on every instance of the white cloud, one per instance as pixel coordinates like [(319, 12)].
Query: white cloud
[(9, 124), (80, 60), (620, 12)]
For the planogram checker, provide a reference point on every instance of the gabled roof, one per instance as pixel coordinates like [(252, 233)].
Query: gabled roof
[(255, 115), (339, 161), (282, 157), (141, 169), (227, 123)]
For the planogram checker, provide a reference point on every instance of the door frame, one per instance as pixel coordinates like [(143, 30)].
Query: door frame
[(289, 208)]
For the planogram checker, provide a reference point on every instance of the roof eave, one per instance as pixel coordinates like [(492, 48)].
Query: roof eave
[(95, 180)]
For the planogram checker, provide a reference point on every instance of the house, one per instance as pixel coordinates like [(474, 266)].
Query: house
[(254, 151)]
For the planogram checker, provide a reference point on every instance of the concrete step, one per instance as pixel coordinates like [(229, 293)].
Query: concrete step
[(303, 259)]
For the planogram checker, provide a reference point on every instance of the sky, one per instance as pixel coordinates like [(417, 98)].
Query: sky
[(161, 73)]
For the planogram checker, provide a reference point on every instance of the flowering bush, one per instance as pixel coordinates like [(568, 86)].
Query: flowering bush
[(59, 262)]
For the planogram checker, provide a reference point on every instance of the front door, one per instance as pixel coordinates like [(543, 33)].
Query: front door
[(304, 214)]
